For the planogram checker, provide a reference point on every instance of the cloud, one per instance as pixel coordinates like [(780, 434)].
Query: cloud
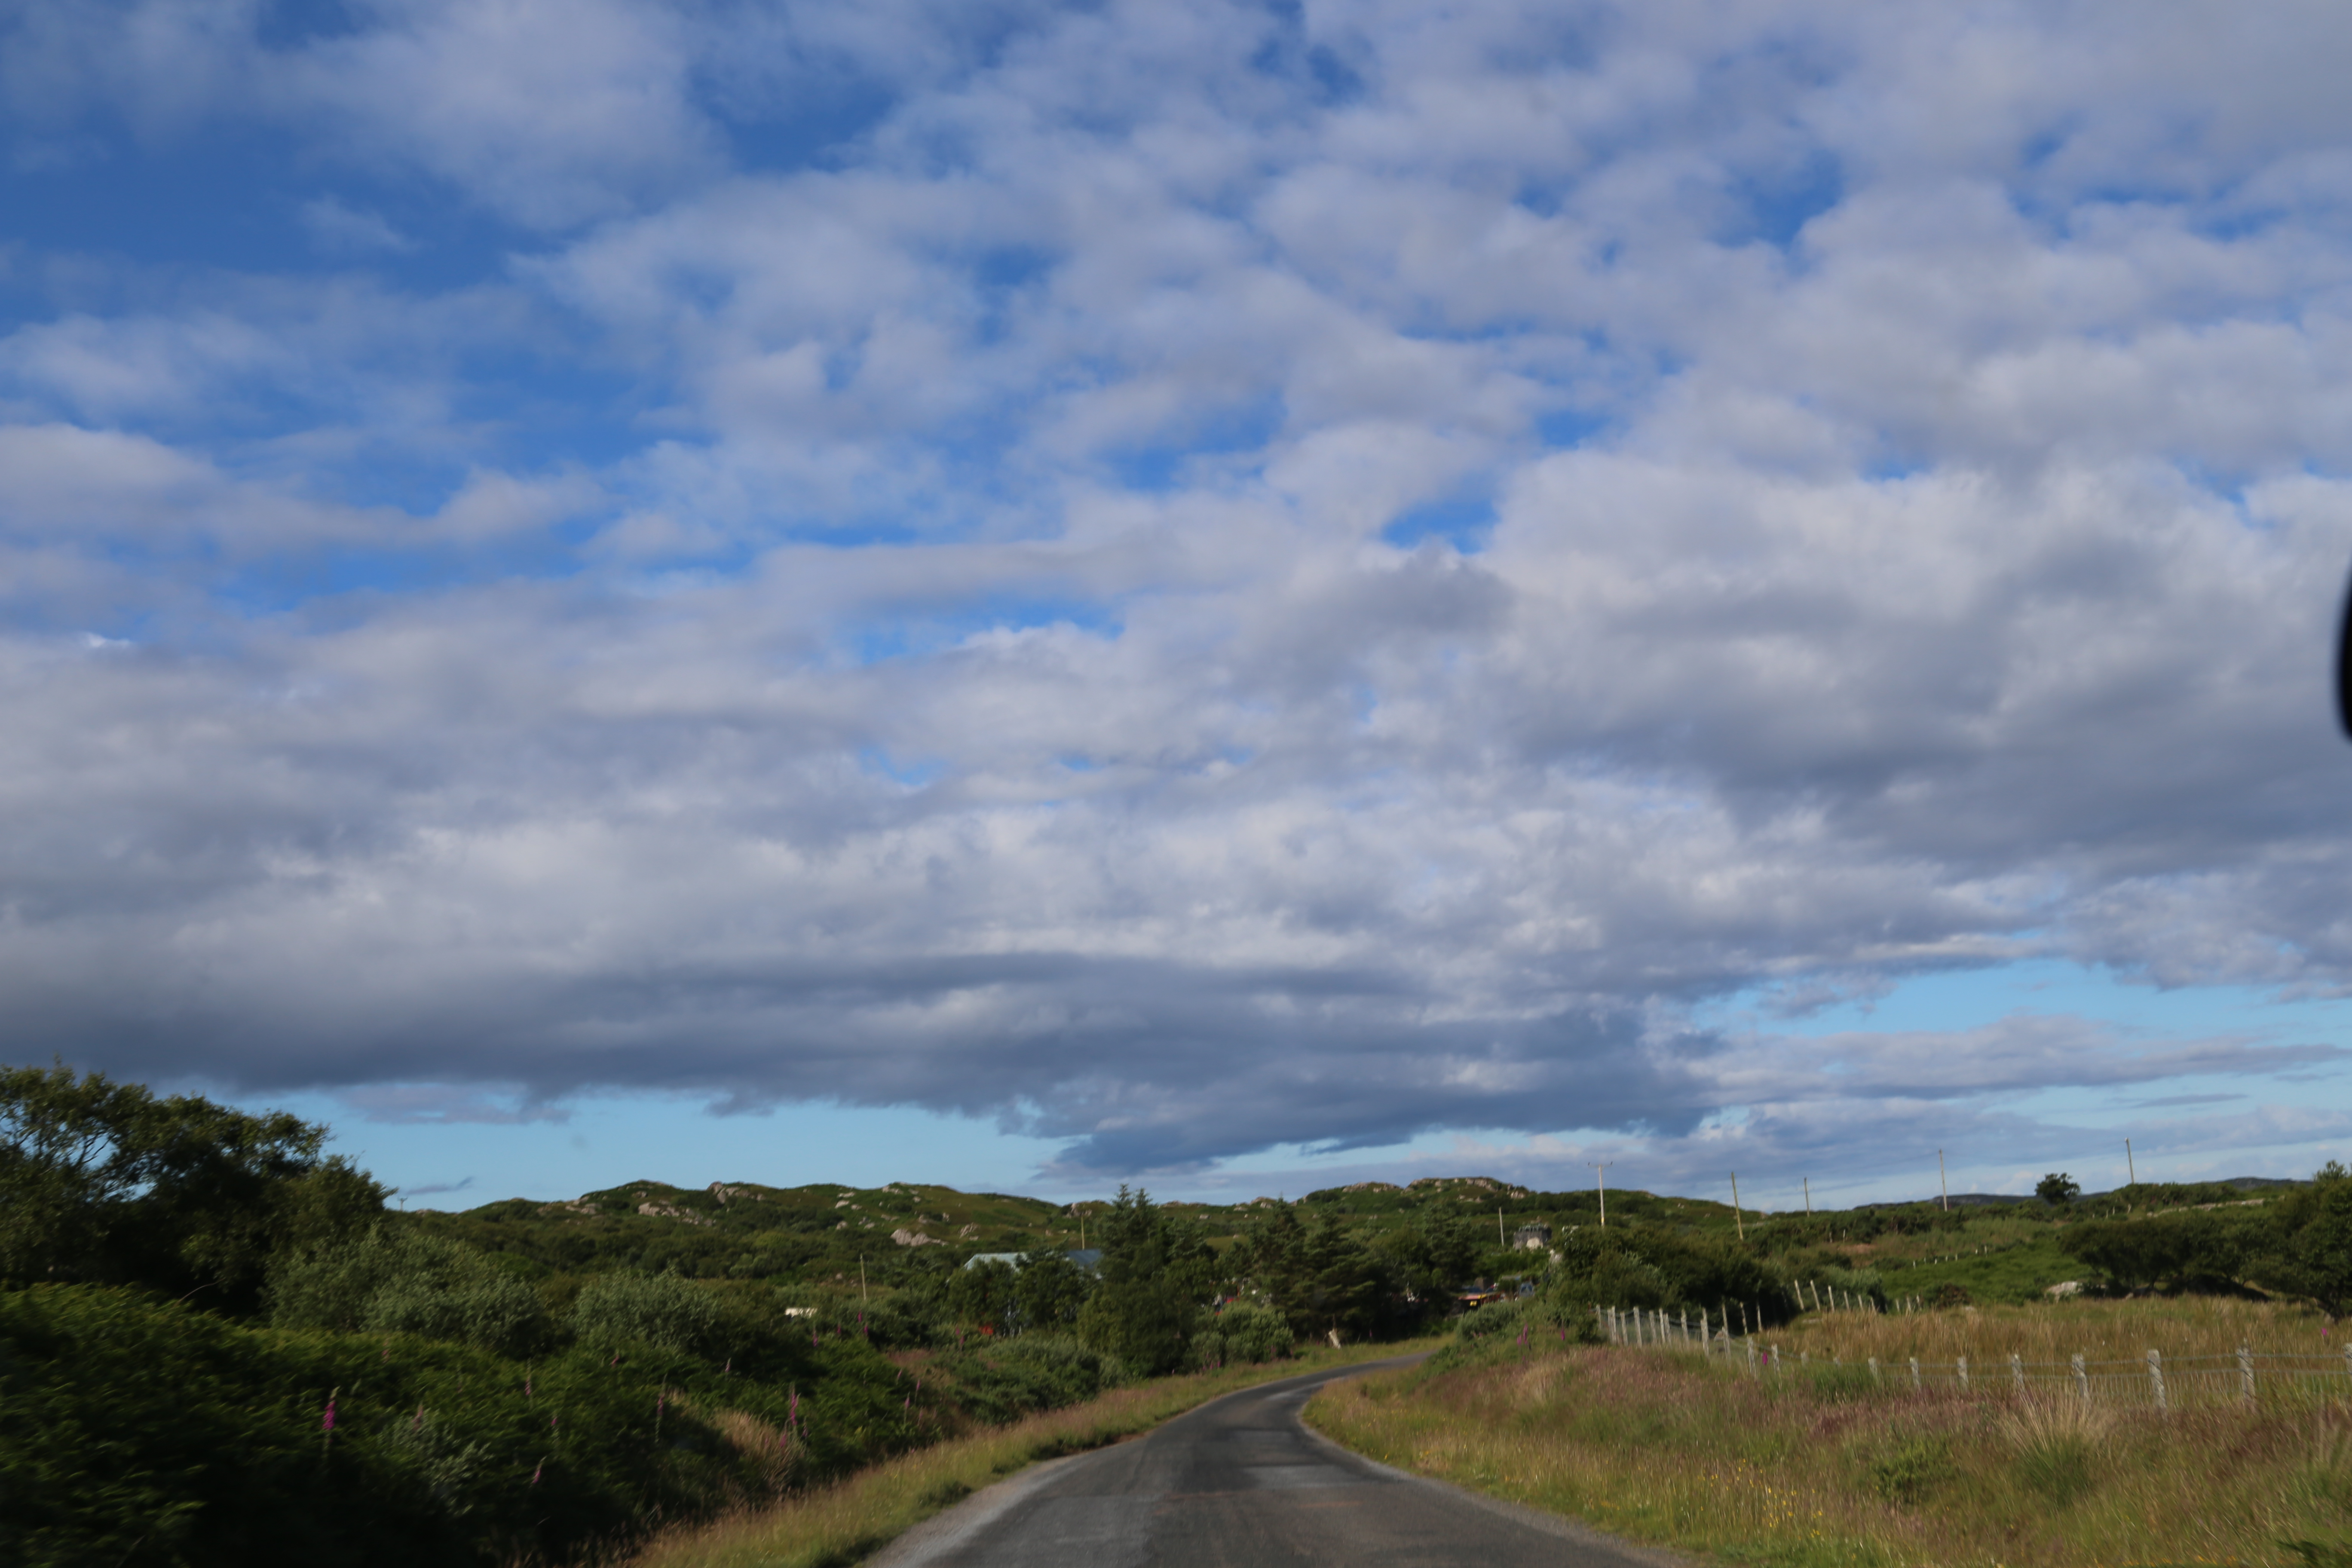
[(879, 586), (350, 231)]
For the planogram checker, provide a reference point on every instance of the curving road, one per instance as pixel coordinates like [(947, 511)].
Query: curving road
[(1241, 1483)]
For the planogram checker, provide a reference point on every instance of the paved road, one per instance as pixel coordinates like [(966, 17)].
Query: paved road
[(1240, 1482)]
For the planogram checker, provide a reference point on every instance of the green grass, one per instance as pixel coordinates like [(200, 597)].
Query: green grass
[(1822, 1467)]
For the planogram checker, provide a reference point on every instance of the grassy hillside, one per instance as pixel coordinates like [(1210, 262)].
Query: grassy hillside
[(822, 1240), (1819, 1464)]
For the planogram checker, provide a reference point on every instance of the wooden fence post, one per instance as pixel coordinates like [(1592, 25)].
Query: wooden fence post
[(1749, 1341), (1875, 1381), (2017, 1371), (1962, 1363), (2156, 1378), (2246, 1373), (1914, 1373), (2081, 1379)]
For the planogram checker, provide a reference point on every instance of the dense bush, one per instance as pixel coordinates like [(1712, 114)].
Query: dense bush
[(1655, 1267), (391, 1279), (655, 1309), (494, 1311), (1012, 1378), (1243, 1333), (136, 1432), (2183, 1250)]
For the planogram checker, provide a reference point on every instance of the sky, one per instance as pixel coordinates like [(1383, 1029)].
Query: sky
[(1233, 597)]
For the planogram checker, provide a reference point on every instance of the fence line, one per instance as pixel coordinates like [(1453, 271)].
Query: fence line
[(2151, 1383)]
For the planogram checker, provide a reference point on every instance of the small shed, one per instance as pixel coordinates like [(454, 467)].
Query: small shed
[(1531, 1237)]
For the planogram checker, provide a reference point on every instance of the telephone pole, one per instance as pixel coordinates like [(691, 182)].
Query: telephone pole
[(2129, 1169), (1808, 1198), (1600, 1185), (1735, 1220), (1945, 1181)]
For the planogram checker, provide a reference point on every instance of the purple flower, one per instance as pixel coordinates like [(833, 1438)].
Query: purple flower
[(329, 1423), (535, 1469)]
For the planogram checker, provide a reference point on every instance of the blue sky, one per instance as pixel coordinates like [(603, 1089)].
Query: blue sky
[(1235, 596)]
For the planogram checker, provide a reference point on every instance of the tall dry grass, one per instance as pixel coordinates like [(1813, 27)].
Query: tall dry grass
[(849, 1520), (1816, 1467), (2179, 1329)]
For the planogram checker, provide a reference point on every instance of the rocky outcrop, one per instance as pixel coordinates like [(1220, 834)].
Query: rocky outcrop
[(914, 1239), (1467, 1186), (671, 1211), (726, 1193), (576, 1206)]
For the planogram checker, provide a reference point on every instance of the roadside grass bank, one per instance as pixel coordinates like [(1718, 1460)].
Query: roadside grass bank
[(1820, 1467), (846, 1521), (2181, 1328)]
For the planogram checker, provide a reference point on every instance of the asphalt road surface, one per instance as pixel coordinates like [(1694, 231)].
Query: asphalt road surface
[(1242, 1482)]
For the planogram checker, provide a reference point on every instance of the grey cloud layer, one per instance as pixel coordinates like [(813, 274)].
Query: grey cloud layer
[(1947, 582)]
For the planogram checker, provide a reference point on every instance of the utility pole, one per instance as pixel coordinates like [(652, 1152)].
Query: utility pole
[(862, 1294), (1498, 1226), (2129, 1169), (1600, 1185), (1808, 1198), (1735, 1206), (1943, 1180)]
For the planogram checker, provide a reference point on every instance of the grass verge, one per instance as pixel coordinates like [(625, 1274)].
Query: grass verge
[(846, 1521), (1825, 1470)]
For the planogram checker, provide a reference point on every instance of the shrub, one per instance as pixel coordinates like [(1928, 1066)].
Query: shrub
[(2056, 1443), (498, 1312), (393, 1280), (146, 1434), (656, 1308), (1243, 1333), (1909, 1467), (1034, 1371)]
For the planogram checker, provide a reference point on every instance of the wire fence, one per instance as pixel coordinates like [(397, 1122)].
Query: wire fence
[(2150, 1382)]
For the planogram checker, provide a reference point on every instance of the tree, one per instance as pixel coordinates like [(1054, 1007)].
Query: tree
[(1343, 1282), (984, 1292), (1157, 1274), (1051, 1290), (2185, 1251), (1432, 1257), (107, 1183), (2058, 1189), (2310, 1253)]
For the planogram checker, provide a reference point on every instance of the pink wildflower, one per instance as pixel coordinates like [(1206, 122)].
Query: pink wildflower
[(535, 1469), (329, 1423)]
